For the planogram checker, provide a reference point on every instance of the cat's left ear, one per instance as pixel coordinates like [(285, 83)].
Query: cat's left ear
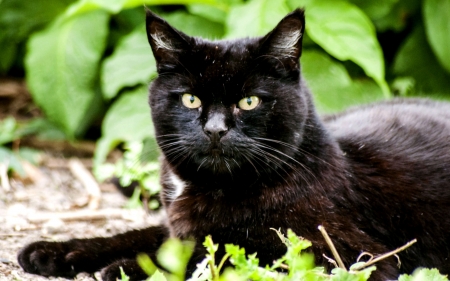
[(285, 40)]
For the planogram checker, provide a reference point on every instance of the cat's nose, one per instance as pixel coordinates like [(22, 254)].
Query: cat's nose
[(215, 128)]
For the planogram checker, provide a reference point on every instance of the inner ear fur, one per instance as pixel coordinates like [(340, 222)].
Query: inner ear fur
[(285, 40), (166, 42)]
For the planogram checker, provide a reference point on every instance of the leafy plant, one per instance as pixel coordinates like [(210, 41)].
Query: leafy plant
[(134, 168), (296, 264), (10, 131)]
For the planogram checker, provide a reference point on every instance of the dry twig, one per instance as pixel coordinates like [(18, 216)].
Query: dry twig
[(4, 180), (331, 245), (386, 255), (82, 215), (88, 181)]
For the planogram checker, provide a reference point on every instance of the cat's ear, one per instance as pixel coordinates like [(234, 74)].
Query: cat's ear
[(167, 43), (285, 40)]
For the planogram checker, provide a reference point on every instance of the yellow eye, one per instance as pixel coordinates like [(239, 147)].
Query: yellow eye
[(249, 103), (191, 101)]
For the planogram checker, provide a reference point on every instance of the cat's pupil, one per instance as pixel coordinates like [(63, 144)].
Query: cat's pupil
[(249, 101), (192, 99)]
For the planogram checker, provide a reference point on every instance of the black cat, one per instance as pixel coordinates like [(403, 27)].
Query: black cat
[(245, 151)]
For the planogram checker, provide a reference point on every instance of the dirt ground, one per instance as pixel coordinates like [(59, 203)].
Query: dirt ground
[(56, 208), (53, 203)]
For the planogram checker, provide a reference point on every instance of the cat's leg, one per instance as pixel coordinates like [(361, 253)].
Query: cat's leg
[(89, 255), (135, 272)]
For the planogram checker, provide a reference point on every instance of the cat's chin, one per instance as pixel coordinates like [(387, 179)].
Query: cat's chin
[(217, 164)]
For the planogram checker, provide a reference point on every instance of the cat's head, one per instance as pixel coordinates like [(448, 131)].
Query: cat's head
[(223, 108)]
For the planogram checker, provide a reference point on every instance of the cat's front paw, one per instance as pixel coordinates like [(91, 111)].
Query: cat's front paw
[(50, 259)]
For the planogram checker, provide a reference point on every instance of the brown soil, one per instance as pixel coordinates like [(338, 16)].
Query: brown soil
[(37, 207), (31, 212)]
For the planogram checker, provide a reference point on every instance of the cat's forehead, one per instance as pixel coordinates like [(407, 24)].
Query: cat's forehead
[(223, 58)]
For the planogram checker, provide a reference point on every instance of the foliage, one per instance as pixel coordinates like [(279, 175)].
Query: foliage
[(139, 166), (11, 131), (87, 60), (296, 264)]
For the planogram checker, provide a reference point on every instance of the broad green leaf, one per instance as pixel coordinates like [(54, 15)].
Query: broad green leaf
[(132, 63), (62, 69), (415, 59), (83, 6), (346, 33), (115, 6), (437, 27), (332, 87), (398, 16), (18, 19), (208, 12), (128, 119), (375, 9), (255, 18), (195, 25)]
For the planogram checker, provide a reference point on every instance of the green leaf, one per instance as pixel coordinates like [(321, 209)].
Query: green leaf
[(346, 33), (375, 9), (398, 17), (8, 130), (195, 25), (208, 12), (115, 6), (255, 17), (132, 63), (146, 264), (18, 19), (437, 26), (83, 6), (62, 69), (9, 157), (424, 274), (339, 274), (332, 87), (157, 276), (123, 276), (415, 59), (174, 255), (128, 119)]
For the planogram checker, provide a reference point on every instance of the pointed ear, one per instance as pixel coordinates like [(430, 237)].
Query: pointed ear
[(285, 40), (167, 43)]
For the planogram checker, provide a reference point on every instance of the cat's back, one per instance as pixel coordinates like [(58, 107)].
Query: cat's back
[(418, 127), (402, 142)]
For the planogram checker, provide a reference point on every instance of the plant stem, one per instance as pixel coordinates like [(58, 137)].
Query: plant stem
[(331, 245), (385, 255), (224, 259)]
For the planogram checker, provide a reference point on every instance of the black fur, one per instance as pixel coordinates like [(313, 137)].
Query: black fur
[(375, 177)]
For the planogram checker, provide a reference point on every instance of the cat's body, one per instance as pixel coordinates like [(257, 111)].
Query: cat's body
[(245, 151)]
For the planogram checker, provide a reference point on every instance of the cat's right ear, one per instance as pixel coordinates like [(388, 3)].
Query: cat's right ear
[(167, 43)]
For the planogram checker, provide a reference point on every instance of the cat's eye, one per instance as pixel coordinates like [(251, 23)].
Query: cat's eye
[(249, 103), (191, 101)]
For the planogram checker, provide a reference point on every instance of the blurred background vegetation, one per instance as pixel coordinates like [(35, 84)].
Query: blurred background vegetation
[(87, 63)]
